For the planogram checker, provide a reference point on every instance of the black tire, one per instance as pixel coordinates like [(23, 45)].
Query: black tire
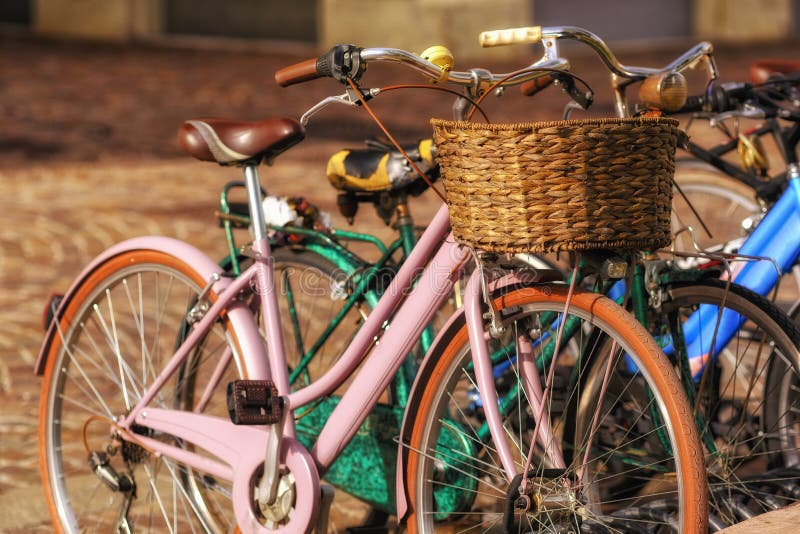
[(747, 399)]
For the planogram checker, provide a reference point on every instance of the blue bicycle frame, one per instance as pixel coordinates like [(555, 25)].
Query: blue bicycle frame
[(777, 237)]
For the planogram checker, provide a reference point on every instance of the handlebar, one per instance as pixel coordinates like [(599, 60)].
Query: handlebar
[(740, 99), (535, 34), (663, 89), (349, 61)]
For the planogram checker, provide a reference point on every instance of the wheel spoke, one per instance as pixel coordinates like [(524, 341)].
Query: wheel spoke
[(124, 325), (604, 428)]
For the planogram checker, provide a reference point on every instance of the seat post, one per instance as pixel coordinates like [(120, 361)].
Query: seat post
[(405, 224), (254, 202)]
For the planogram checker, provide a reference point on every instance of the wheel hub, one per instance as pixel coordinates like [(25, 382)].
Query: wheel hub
[(549, 499)]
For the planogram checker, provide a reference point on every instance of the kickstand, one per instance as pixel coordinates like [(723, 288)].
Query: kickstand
[(324, 508)]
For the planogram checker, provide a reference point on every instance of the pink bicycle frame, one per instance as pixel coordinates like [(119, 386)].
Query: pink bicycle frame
[(419, 288)]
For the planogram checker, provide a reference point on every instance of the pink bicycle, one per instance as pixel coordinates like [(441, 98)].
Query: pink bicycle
[(166, 406)]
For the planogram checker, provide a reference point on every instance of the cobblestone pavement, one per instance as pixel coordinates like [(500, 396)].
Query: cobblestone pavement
[(41, 255), (87, 158)]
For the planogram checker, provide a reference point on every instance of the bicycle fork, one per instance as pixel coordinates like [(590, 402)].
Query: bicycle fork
[(532, 386), (524, 484)]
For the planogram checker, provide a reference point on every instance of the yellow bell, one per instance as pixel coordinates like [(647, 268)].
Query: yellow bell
[(441, 57)]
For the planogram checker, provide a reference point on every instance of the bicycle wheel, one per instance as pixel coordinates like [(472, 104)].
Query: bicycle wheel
[(747, 401), (116, 334), (643, 450), (722, 202)]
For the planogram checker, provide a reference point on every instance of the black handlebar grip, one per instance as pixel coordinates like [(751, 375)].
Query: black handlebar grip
[(724, 97), (341, 62), (728, 96), (693, 103)]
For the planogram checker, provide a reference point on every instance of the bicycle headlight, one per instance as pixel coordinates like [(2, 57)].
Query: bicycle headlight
[(666, 91)]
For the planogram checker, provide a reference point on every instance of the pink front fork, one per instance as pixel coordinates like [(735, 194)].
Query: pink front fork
[(483, 370), (532, 385)]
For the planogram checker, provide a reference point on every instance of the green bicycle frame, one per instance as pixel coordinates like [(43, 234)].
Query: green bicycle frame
[(361, 273)]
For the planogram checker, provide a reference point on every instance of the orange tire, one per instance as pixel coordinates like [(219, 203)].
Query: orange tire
[(107, 350), (448, 489)]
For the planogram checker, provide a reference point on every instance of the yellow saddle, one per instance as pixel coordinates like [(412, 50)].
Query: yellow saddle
[(381, 167)]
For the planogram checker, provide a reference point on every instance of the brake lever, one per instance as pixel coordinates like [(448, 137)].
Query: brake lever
[(348, 98), (569, 108), (582, 99)]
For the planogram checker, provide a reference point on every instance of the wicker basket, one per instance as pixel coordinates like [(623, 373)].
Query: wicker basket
[(564, 185)]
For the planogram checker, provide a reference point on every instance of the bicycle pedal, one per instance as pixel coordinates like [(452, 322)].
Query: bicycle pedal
[(254, 402)]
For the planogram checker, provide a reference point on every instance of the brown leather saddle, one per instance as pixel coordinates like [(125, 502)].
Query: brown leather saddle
[(230, 142)]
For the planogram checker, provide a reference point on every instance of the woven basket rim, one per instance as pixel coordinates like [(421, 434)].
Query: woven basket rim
[(601, 121)]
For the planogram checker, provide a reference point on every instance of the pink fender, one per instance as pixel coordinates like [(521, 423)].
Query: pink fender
[(205, 267), (454, 323)]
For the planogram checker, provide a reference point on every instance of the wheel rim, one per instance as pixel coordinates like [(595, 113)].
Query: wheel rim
[(722, 209), (491, 484)]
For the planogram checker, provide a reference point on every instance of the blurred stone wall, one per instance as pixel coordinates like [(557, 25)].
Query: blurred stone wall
[(744, 20), (409, 24), (417, 24), (111, 20)]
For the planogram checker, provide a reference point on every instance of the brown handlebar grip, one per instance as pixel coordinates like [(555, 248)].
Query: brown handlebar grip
[(534, 86), (761, 70), (299, 72)]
